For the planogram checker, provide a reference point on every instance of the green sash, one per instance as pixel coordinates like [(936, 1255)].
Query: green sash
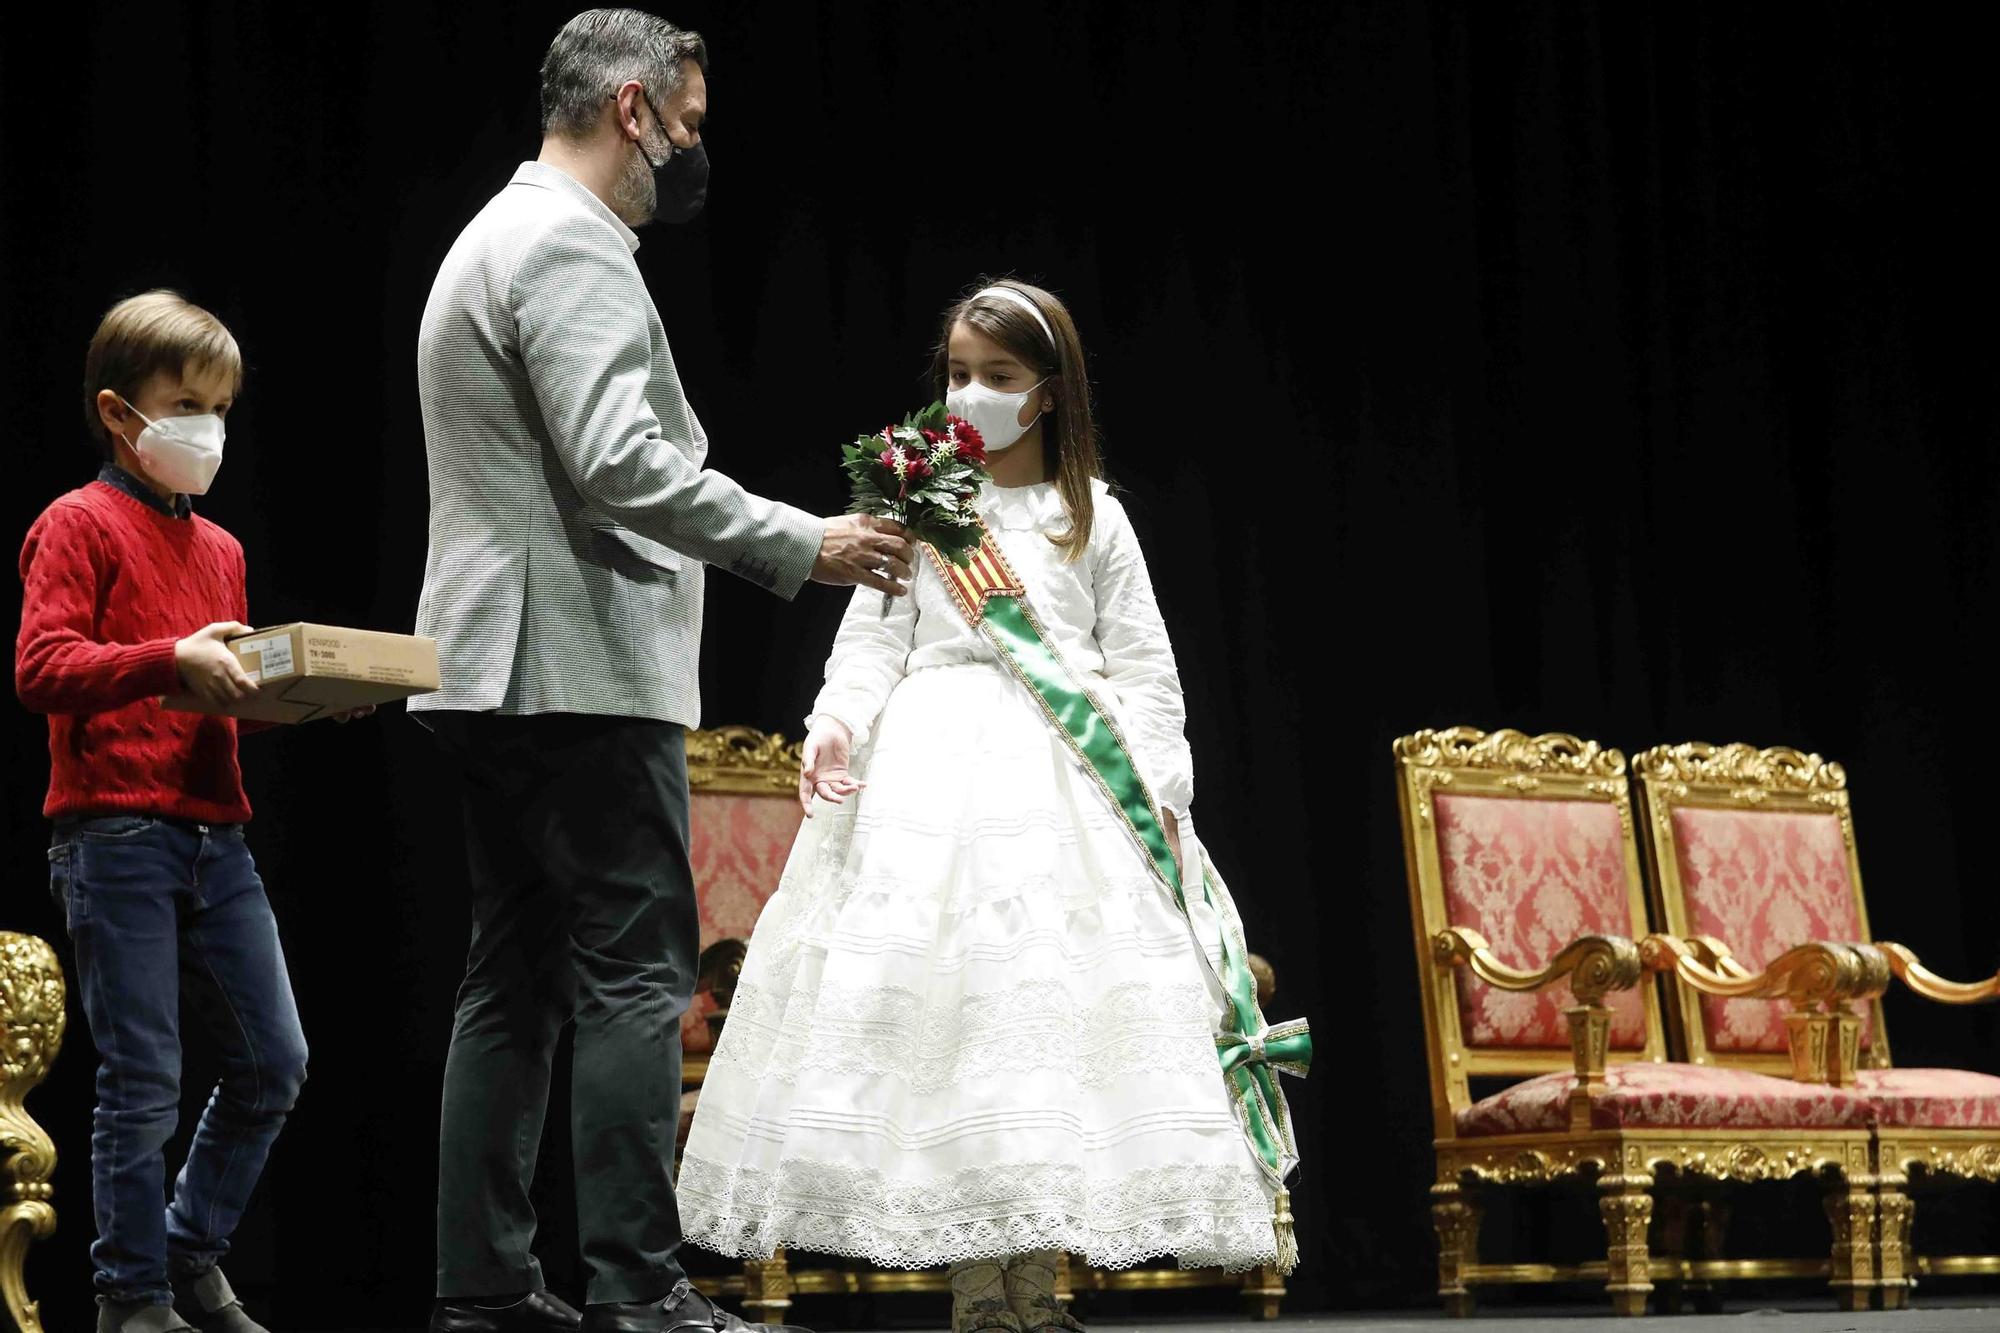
[(1252, 1053)]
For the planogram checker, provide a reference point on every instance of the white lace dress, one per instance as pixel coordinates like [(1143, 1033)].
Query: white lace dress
[(971, 1023)]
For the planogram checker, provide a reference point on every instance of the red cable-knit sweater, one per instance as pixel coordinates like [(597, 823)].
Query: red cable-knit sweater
[(110, 585)]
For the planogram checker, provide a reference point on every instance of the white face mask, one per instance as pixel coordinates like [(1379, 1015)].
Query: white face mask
[(995, 415), (181, 453)]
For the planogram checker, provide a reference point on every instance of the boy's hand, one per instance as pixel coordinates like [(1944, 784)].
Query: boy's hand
[(208, 669)]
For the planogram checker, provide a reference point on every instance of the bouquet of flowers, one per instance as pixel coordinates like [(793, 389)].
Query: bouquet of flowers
[(924, 474)]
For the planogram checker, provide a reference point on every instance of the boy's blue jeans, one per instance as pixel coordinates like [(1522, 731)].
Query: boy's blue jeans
[(159, 908)]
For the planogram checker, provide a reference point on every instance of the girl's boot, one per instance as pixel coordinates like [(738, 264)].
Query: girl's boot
[(1031, 1293), (979, 1298)]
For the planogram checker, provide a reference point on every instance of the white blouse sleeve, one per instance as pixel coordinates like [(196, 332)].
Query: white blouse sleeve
[(1139, 659), (870, 654)]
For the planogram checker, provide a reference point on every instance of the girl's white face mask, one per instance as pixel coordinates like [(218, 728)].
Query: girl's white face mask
[(181, 453), (996, 415)]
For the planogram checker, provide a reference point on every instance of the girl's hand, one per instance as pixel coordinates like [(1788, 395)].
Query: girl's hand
[(823, 772), (349, 714), (1172, 828)]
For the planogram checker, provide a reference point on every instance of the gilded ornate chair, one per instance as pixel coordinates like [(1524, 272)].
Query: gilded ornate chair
[(1526, 900), (1756, 849), (32, 1018), (742, 819)]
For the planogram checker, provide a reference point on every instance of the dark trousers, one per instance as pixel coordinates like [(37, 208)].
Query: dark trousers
[(583, 910), (160, 910)]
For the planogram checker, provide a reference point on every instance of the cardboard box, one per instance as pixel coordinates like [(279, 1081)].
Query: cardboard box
[(311, 671)]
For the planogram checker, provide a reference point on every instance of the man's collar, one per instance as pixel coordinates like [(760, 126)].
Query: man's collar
[(548, 177)]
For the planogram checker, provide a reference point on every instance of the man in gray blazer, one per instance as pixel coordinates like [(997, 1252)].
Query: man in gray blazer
[(570, 522)]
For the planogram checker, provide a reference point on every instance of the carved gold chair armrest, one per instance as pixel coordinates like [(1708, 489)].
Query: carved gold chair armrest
[(1592, 964), (1706, 950), (1819, 973), (1931, 986), (1821, 980)]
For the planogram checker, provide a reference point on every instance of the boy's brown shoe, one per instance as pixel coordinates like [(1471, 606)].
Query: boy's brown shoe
[(138, 1317), (211, 1305)]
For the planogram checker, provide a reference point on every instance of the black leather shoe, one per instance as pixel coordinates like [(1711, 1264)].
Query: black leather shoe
[(537, 1312), (685, 1310)]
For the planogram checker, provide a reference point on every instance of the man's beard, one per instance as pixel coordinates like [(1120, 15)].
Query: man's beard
[(633, 196)]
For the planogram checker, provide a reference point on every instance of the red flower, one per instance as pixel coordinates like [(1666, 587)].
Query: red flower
[(971, 448), (889, 458), (933, 436)]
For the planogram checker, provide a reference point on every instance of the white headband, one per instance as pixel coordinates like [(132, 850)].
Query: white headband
[(1018, 299)]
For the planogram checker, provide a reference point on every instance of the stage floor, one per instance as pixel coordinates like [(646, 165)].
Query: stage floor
[(1944, 1315)]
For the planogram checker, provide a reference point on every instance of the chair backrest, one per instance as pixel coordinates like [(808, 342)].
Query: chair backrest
[(743, 815), (1756, 848), (1527, 840)]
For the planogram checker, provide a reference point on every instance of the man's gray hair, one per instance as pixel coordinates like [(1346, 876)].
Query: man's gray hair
[(598, 51)]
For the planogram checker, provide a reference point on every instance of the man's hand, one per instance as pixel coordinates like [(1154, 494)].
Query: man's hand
[(208, 670), (864, 550), (828, 750)]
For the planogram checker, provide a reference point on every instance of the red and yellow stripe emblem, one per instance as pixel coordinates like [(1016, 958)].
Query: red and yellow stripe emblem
[(986, 575)]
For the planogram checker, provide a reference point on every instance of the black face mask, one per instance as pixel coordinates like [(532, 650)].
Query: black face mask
[(680, 179)]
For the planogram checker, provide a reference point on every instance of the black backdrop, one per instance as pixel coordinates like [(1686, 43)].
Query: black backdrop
[(1622, 370)]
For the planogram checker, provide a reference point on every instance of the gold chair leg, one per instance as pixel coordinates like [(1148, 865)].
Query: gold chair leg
[(1895, 1264), (1626, 1204), (767, 1288), (31, 983), (1263, 1292), (1455, 1214), (1850, 1207)]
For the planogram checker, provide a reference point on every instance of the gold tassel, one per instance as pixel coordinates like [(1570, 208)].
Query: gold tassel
[(1281, 1225)]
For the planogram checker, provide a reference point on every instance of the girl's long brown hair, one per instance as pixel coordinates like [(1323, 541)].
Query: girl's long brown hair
[(1072, 458)]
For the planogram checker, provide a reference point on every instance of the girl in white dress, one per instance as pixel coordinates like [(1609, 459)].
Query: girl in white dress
[(973, 1027)]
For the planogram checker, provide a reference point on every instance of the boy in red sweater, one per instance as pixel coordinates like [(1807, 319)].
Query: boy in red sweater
[(131, 595)]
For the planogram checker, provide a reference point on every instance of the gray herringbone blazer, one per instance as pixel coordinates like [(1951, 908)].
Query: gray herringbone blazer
[(570, 515)]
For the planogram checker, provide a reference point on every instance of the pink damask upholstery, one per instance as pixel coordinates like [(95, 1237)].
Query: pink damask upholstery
[(1665, 1096), (1531, 876), (1762, 882), (740, 844), (1931, 1098)]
